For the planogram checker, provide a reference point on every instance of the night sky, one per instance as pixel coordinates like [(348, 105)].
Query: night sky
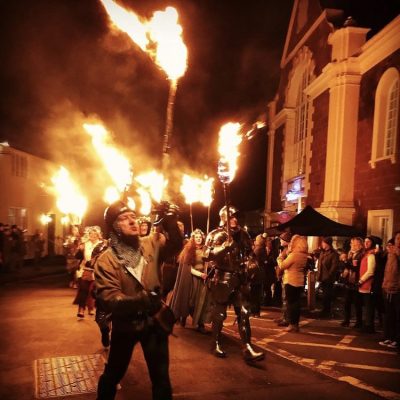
[(61, 63)]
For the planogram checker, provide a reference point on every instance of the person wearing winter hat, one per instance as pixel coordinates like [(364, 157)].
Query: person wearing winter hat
[(328, 265), (284, 239), (127, 286)]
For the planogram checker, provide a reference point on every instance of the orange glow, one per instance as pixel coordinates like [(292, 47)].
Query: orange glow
[(111, 194), (65, 220), (128, 22), (229, 140), (145, 200), (154, 182), (197, 190), (117, 165), (69, 198), (206, 191), (45, 219), (190, 189), (160, 38), (131, 203), (171, 54)]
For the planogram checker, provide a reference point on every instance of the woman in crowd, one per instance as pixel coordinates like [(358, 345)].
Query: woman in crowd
[(350, 276), (391, 295), (191, 295), (84, 298), (367, 270), (293, 267)]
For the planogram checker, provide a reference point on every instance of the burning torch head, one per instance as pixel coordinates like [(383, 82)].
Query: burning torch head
[(233, 212), (113, 211)]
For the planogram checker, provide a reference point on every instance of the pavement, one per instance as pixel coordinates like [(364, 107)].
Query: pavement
[(45, 352), (48, 266)]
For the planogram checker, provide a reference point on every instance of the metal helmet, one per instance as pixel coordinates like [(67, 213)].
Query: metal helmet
[(111, 213), (233, 211)]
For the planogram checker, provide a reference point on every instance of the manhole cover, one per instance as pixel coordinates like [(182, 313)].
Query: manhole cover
[(71, 375)]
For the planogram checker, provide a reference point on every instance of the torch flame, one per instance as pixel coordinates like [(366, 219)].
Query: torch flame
[(116, 164), (145, 201), (154, 182), (128, 22), (206, 191), (197, 190), (171, 54), (190, 189), (69, 198), (229, 140), (163, 30), (111, 195)]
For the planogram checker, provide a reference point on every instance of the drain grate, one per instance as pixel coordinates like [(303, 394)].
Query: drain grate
[(71, 375)]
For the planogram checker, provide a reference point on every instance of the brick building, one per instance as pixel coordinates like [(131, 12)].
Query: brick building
[(23, 199), (333, 126)]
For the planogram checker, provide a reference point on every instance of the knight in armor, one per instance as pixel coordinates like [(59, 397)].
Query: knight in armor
[(227, 253)]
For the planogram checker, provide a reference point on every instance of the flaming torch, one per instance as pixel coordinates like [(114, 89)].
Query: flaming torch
[(117, 166), (206, 196), (161, 38), (190, 190), (229, 140), (70, 201)]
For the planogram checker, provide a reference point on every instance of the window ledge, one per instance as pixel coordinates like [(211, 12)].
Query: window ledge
[(373, 162)]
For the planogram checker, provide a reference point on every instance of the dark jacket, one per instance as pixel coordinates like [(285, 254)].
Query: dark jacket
[(328, 265), (129, 300)]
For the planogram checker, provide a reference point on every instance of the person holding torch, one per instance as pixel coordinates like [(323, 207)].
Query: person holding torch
[(227, 249)]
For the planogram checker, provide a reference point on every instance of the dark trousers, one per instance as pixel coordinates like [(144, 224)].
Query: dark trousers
[(155, 349), (369, 307), (327, 297), (352, 296), (293, 299), (391, 322), (256, 294)]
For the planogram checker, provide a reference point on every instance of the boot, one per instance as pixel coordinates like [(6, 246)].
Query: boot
[(218, 352), (249, 354), (105, 391)]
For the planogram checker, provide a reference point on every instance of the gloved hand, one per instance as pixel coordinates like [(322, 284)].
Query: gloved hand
[(165, 210), (167, 216), (155, 302)]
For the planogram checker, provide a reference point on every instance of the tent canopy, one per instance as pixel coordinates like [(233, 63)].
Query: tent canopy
[(310, 222)]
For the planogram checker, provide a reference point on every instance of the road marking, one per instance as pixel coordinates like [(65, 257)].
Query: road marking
[(361, 366), (346, 340), (340, 347), (325, 367)]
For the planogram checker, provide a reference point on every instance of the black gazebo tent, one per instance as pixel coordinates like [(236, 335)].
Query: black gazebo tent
[(310, 222)]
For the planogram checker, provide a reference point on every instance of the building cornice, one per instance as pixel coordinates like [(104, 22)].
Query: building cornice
[(380, 46), (375, 50)]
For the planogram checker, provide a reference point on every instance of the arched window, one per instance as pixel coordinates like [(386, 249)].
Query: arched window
[(297, 139), (298, 105), (386, 118)]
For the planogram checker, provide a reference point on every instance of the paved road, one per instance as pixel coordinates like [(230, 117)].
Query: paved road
[(42, 343)]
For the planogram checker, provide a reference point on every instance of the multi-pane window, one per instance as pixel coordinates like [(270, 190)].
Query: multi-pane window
[(18, 216), (386, 118), (300, 134), (391, 119), (380, 223), (19, 166)]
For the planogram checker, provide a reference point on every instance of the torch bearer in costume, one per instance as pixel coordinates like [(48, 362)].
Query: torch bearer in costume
[(226, 249)]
